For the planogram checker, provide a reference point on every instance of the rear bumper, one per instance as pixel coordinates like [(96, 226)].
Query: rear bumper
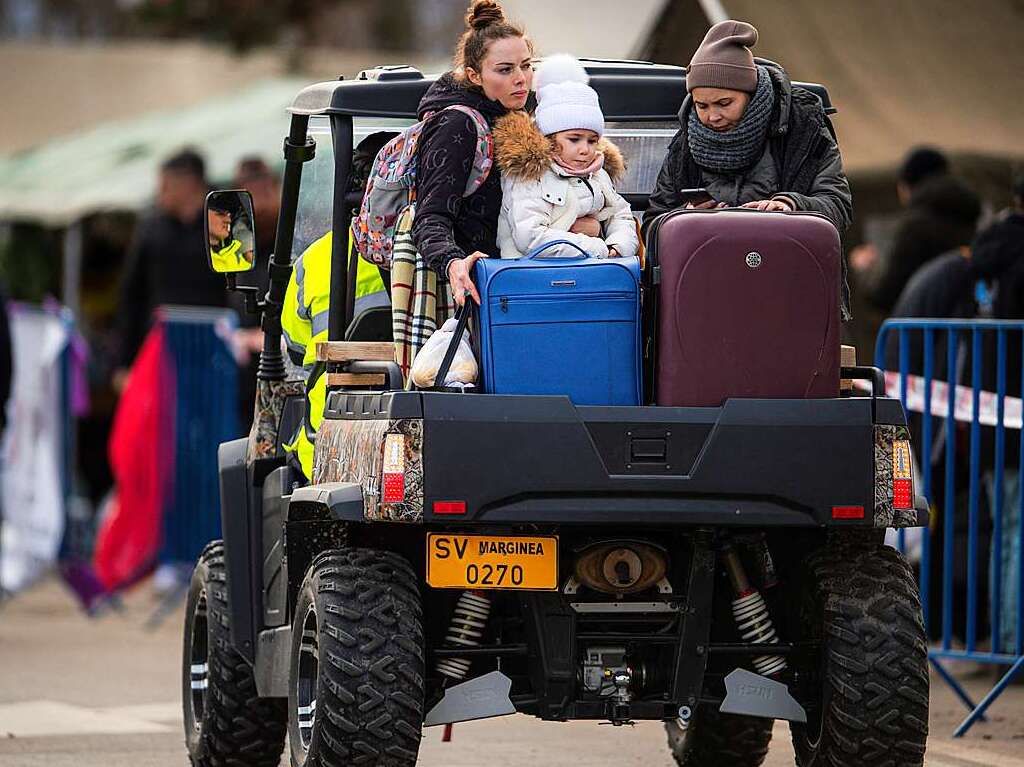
[(512, 460)]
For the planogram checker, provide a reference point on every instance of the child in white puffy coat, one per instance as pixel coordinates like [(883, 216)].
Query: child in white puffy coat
[(556, 169)]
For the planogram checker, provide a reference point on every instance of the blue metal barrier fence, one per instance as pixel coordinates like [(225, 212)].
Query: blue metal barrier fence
[(985, 355), (206, 414)]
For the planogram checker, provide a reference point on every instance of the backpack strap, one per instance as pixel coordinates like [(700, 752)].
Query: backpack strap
[(483, 157)]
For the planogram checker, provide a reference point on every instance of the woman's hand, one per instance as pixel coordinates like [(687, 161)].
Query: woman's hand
[(768, 205), (613, 253), (587, 225), (460, 279), (706, 205)]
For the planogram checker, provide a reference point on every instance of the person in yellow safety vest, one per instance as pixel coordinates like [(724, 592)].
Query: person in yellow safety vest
[(229, 257), (304, 323), (226, 249)]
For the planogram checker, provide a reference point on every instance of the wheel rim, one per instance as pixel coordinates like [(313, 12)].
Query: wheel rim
[(306, 678), (199, 661)]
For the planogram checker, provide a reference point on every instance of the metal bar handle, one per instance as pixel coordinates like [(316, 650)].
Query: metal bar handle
[(867, 373)]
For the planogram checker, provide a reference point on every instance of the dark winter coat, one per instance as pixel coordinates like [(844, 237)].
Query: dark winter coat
[(941, 289), (805, 164), (944, 288), (447, 225), (997, 256), (941, 216), (167, 264)]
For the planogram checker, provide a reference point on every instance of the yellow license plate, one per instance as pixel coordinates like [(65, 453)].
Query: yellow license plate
[(492, 562)]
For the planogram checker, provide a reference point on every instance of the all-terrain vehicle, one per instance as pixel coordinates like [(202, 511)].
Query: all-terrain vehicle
[(460, 556)]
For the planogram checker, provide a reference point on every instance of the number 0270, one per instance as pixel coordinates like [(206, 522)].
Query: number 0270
[(494, 575)]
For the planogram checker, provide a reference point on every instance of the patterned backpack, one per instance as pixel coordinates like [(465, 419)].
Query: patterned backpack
[(391, 187)]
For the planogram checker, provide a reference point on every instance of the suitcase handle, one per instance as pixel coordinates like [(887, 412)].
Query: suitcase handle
[(541, 248)]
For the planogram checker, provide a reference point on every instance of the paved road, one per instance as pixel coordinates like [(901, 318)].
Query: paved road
[(79, 692)]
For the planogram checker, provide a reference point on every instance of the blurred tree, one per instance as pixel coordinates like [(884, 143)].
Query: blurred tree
[(63, 19), (240, 24), (30, 262)]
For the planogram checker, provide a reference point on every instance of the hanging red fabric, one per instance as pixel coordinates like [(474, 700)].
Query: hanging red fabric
[(141, 453)]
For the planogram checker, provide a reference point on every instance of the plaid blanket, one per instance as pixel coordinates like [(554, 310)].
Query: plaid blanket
[(420, 300)]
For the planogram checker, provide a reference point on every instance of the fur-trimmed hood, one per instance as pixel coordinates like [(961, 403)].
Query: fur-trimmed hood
[(523, 152)]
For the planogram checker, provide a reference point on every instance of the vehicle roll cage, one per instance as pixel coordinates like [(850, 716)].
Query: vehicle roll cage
[(630, 91)]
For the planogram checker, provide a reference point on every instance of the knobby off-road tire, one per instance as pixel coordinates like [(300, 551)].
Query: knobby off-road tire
[(226, 722), (356, 690), (714, 739), (862, 603)]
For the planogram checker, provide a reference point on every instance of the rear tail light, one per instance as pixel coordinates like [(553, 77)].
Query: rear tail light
[(902, 475), (394, 468), (847, 512), (449, 507)]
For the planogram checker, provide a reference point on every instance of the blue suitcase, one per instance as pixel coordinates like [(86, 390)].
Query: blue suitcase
[(561, 326)]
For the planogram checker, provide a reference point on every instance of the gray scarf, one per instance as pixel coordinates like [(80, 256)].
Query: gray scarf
[(740, 147)]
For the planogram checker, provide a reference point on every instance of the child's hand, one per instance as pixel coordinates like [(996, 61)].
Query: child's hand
[(587, 225), (613, 253)]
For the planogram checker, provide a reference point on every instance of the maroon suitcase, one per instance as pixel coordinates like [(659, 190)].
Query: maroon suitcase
[(746, 305)]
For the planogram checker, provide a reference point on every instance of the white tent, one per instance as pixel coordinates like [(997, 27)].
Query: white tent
[(114, 167)]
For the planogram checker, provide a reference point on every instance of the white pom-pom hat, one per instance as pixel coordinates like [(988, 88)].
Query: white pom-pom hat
[(564, 100)]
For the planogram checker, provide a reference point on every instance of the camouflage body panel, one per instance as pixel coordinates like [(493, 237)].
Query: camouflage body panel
[(270, 399), (885, 514), (353, 451)]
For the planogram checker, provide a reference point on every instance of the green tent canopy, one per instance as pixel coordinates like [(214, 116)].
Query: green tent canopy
[(114, 167)]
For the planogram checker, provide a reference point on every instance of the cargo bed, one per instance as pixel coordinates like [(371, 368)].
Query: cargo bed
[(540, 459)]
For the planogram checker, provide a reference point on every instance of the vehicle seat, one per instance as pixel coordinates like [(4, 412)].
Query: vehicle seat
[(373, 324)]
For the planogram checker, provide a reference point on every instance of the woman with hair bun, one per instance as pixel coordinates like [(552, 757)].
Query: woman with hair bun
[(494, 75)]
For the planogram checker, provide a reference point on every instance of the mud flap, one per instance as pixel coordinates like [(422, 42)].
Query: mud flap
[(479, 698), (751, 694)]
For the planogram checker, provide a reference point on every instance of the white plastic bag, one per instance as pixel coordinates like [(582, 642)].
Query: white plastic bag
[(463, 369)]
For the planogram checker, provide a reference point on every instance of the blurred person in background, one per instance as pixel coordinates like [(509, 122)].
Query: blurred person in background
[(997, 256), (167, 263), (941, 216), (984, 280), (255, 176)]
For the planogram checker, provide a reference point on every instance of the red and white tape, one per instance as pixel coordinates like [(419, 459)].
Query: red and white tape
[(963, 401)]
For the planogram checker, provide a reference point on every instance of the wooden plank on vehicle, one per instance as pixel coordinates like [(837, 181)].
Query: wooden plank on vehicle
[(351, 351), (355, 379), (847, 359)]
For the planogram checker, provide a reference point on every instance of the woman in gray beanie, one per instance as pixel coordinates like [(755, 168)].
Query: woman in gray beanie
[(751, 138)]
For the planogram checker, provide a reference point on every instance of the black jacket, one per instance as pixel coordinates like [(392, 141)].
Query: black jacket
[(448, 225), (997, 256), (941, 216), (166, 264), (808, 165), (941, 289), (944, 288)]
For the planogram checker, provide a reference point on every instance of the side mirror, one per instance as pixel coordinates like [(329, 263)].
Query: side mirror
[(230, 231)]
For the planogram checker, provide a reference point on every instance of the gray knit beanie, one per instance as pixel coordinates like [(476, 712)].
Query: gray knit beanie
[(724, 60)]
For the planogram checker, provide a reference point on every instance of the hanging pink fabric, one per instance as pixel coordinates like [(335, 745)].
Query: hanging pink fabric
[(141, 453)]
